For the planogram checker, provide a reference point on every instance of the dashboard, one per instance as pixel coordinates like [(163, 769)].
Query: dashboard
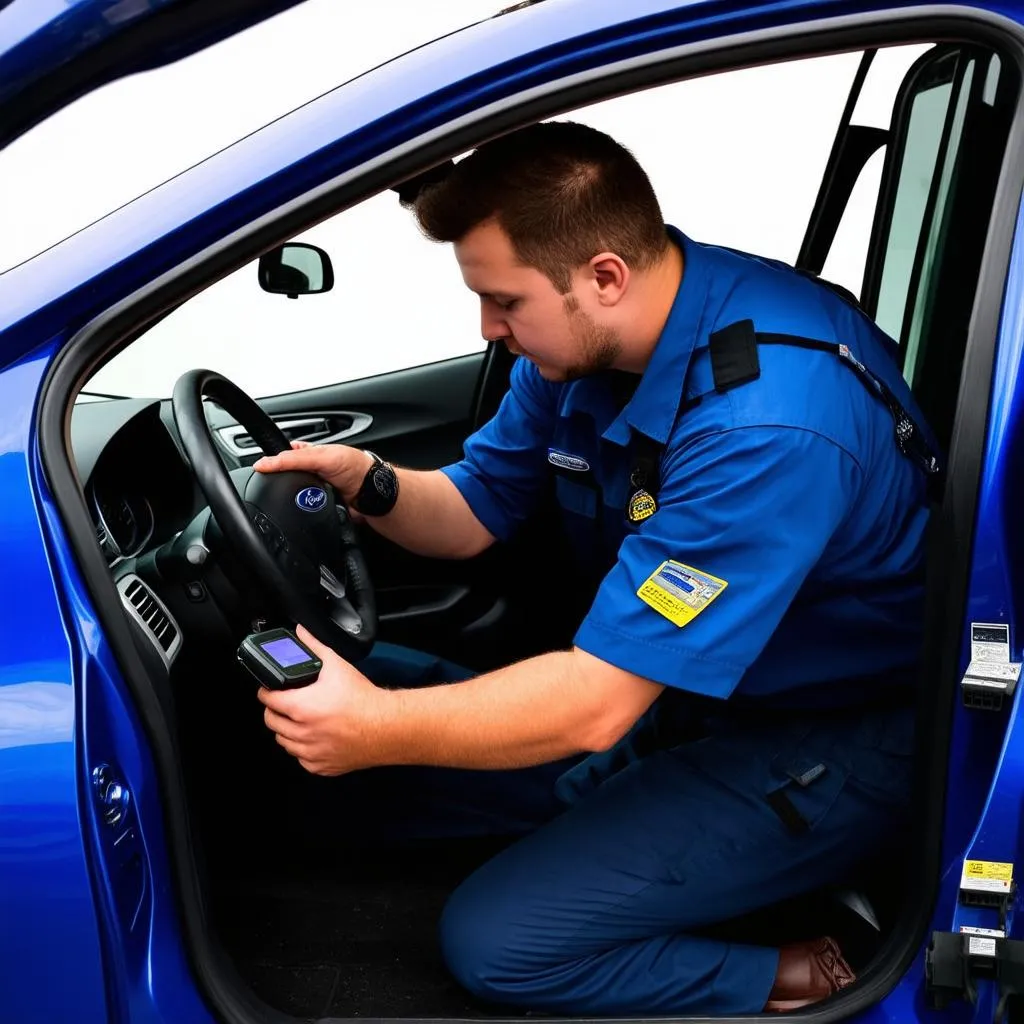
[(184, 613), (137, 483)]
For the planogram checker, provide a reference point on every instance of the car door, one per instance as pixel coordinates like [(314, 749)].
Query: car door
[(68, 831), (85, 863), (103, 873)]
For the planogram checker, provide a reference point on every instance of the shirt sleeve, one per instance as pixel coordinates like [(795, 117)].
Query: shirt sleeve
[(504, 462), (743, 516)]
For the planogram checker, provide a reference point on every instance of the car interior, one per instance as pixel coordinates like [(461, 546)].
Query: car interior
[(322, 895)]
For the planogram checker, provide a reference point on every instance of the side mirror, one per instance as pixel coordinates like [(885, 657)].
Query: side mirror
[(296, 269)]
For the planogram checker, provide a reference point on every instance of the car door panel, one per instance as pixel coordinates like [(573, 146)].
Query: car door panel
[(417, 417)]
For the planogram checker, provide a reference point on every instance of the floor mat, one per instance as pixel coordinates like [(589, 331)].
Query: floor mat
[(349, 935), (353, 933)]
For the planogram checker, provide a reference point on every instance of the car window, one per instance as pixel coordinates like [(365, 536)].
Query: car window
[(924, 203), (917, 169), (913, 231), (933, 109), (398, 300)]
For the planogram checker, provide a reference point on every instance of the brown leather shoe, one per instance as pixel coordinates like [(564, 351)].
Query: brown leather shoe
[(808, 972)]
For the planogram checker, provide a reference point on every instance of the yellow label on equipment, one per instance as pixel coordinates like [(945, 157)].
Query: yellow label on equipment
[(679, 592), (989, 870)]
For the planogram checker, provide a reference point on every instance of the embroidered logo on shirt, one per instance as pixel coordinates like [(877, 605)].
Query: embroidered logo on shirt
[(679, 592), (566, 461)]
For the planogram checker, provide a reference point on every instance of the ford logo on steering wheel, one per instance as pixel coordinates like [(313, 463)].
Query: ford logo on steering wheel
[(311, 499)]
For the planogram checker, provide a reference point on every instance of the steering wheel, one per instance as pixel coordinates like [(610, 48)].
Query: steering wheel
[(286, 528)]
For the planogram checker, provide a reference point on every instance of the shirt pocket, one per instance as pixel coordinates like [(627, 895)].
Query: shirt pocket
[(579, 497)]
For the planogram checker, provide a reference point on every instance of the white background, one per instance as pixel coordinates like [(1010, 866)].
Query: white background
[(735, 159)]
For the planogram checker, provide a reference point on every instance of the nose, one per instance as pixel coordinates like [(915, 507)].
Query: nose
[(492, 324)]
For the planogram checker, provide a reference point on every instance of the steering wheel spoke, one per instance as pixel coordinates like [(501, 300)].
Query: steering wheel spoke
[(345, 616), (334, 587)]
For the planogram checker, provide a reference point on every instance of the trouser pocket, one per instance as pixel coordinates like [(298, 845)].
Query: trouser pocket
[(805, 780), (869, 754)]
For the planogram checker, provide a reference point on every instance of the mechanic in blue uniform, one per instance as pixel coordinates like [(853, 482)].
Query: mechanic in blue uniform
[(740, 462)]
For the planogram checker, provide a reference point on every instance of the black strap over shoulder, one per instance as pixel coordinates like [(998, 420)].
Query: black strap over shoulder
[(734, 362), (733, 352)]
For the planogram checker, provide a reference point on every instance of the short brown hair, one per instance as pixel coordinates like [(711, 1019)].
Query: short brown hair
[(561, 191)]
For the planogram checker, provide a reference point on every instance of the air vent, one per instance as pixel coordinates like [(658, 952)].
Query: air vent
[(151, 613)]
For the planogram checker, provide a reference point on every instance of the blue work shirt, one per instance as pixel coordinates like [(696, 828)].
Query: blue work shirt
[(785, 557)]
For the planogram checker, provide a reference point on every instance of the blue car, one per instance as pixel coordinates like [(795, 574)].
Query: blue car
[(161, 859)]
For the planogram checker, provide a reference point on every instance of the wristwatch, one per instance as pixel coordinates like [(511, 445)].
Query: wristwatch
[(379, 490)]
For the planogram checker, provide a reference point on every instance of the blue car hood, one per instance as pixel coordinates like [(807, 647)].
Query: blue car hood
[(53, 51)]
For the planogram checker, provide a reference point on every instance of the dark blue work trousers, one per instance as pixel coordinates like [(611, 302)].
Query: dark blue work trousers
[(592, 913)]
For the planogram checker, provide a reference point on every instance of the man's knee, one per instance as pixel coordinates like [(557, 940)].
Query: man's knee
[(476, 944)]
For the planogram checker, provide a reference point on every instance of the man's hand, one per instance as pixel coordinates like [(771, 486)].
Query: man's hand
[(344, 468), (432, 518), (329, 725)]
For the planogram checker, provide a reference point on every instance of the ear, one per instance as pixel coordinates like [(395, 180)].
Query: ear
[(610, 278)]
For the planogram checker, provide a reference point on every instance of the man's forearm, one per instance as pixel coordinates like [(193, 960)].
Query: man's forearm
[(539, 710), (432, 518)]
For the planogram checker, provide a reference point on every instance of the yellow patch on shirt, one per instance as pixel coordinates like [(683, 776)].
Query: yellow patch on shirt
[(680, 592)]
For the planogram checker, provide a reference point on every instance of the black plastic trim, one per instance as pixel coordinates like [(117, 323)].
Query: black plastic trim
[(859, 144), (820, 232), (955, 520)]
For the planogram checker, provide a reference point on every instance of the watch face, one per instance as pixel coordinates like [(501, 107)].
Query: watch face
[(384, 482)]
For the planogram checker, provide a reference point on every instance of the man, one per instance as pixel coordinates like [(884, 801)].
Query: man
[(759, 529)]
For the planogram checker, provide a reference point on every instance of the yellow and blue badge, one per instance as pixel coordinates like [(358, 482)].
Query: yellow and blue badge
[(680, 592), (641, 505)]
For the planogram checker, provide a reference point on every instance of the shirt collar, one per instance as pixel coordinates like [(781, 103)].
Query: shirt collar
[(652, 409)]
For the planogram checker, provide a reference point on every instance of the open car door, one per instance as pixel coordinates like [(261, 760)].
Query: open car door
[(51, 53)]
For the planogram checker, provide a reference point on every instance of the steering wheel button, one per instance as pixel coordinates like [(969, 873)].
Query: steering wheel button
[(196, 554)]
